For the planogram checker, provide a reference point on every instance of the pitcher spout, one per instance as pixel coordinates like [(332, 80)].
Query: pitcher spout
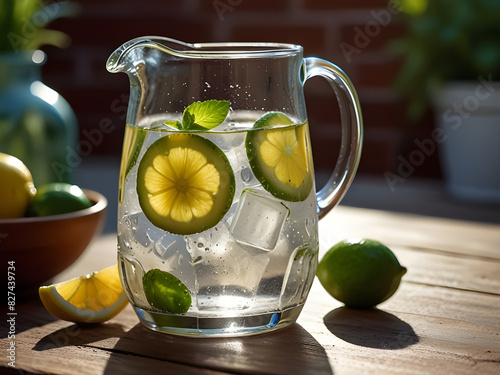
[(127, 56)]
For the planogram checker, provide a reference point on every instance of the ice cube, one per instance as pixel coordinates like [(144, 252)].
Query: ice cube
[(258, 220), (208, 241), (230, 142), (177, 261), (169, 245), (229, 277)]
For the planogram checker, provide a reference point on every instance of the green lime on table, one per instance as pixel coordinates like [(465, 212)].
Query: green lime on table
[(279, 154), (58, 198), (360, 274), (166, 292), (185, 184)]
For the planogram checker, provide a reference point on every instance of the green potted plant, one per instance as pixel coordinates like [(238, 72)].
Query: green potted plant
[(36, 123), (451, 63)]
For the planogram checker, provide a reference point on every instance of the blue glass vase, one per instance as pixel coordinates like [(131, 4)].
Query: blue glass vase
[(36, 124)]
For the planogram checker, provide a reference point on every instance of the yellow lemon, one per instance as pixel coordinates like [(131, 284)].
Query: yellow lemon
[(93, 298), (279, 153), (185, 183), (16, 187)]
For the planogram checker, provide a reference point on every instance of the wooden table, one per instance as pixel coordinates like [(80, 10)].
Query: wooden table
[(444, 319)]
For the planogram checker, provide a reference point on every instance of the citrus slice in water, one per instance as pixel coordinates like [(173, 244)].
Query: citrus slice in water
[(132, 145), (185, 184), (279, 157), (92, 298), (166, 292)]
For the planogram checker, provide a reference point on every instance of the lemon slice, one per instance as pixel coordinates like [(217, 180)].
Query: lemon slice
[(185, 184), (92, 298), (132, 144), (280, 158)]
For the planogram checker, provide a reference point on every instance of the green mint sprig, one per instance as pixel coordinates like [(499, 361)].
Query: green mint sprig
[(202, 115)]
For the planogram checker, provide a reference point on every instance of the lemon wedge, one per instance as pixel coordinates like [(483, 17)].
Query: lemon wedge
[(93, 298)]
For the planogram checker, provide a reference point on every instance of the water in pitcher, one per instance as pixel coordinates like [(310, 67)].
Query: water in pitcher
[(251, 259)]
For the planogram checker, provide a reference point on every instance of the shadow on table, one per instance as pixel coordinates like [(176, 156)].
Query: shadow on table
[(30, 313), (78, 335), (371, 328), (289, 351)]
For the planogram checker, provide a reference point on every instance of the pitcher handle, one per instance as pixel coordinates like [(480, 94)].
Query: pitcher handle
[(352, 132)]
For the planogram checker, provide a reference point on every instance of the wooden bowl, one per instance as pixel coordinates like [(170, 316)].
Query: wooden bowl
[(42, 247)]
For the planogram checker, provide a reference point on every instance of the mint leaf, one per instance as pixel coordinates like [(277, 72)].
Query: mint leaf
[(207, 114), (187, 120), (175, 124), (202, 115)]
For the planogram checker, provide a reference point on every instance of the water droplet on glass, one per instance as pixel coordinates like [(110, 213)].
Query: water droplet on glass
[(246, 174)]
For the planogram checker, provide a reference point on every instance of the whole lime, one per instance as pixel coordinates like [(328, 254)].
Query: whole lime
[(58, 198), (361, 274)]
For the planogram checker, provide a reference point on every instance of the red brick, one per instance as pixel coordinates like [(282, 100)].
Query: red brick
[(60, 65), (114, 32), (344, 4), (79, 74), (380, 75), (370, 36), (111, 143), (390, 114), (132, 6), (325, 146), (376, 152), (228, 7), (425, 164), (374, 156), (322, 109), (312, 38), (92, 101)]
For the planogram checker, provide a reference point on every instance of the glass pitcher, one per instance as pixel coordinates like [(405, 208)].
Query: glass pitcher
[(218, 210)]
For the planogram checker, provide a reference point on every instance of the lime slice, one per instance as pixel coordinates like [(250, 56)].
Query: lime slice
[(185, 184), (166, 292), (279, 157), (132, 145)]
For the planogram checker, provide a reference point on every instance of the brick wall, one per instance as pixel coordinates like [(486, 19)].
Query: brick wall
[(352, 36)]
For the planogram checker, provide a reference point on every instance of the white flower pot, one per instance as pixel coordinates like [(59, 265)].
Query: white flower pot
[(468, 115)]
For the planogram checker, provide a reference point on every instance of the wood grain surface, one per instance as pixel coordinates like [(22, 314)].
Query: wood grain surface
[(444, 318)]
